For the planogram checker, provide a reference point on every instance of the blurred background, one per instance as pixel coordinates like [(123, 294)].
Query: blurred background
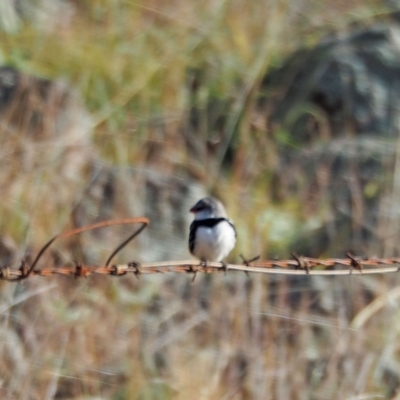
[(288, 111)]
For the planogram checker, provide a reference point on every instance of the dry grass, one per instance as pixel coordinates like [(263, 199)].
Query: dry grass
[(222, 338), (160, 337)]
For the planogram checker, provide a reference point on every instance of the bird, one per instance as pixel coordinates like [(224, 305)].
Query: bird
[(212, 235)]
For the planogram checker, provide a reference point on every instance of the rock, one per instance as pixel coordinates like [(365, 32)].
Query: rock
[(350, 82), (334, 114)]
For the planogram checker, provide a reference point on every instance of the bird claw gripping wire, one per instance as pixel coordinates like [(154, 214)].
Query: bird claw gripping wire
[(195, 268), (224, 267)]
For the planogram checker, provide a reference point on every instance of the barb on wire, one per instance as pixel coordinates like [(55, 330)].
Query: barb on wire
[(302, 263), (356, 264)]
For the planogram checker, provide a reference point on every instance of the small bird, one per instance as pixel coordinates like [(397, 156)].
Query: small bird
[(212, 235)]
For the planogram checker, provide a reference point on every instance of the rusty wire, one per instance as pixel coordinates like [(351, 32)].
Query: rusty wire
[(26, 271), (299, 265)]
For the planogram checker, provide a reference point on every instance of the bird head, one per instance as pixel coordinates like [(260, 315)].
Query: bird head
[(208, 208)]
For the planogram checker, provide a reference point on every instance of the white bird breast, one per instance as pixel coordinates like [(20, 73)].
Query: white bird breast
[(214, 243)]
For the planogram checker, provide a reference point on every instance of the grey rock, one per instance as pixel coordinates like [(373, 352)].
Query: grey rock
[(334, 113), (353, 81)]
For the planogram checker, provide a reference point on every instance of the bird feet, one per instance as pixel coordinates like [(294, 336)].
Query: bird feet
[(205, 265), (224, 267)]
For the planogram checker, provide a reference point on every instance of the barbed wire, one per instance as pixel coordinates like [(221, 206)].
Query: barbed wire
[(299, 265)]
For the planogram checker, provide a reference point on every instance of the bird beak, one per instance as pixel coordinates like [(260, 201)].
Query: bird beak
[(192, 210)]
